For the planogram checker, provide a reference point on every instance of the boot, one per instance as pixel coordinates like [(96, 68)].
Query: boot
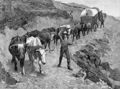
[(68, 64), (70, 68), (58, 65)]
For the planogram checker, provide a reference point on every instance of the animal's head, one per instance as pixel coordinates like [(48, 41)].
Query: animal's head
[(100, 15), (43, 55), (104, 16), (18, 49)]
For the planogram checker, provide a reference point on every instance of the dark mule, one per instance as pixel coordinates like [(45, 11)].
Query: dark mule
[(76, 31), (56, 37), (17, 48), (46, 36)]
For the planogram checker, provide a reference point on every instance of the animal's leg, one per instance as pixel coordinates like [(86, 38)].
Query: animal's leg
[(95, 28), (45, 45), (63, 37), (67, 36), (83, 32), (88, 31), (73, 38), (30, 57), (49, 46), (79, 35), (54, 39), (103, 23), (15, 64), (22, 66), (40, 68), (13, 59)]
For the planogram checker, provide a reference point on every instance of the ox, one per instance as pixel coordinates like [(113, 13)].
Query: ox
[(35, 50), (17, 48)]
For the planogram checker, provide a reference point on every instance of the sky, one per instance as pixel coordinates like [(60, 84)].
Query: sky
[(111, 7)]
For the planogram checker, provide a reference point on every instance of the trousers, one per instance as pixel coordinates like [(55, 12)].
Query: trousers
[(64, 50)]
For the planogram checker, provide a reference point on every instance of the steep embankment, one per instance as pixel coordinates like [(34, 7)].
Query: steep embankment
[(20, 13), (112, 30)]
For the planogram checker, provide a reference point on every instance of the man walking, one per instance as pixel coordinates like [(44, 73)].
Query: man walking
[(64, 50)]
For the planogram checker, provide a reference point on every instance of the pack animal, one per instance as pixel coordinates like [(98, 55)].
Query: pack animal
[(36, 50), (17, 48)]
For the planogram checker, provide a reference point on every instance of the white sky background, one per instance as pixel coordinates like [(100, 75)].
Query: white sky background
[(111, 7)]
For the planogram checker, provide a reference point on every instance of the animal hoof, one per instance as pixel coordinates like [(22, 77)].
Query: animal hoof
[(16, 69), (58, 65), (70, 69), (22, 73)]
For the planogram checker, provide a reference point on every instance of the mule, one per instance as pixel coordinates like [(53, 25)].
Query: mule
[(102, 19), (36, 50)]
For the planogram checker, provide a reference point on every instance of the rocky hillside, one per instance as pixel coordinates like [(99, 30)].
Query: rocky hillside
[(17, 13)]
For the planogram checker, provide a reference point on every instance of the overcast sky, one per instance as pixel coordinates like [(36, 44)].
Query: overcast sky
[(111, 7)]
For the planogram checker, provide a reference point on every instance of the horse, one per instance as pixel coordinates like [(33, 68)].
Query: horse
[(102, 19), (36, 50), (76, 31), (17, 48)]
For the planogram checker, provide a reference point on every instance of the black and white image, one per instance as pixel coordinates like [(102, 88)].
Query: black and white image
[(59, 44)]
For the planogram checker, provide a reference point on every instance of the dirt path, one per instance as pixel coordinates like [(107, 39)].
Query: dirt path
[(55, 78)]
